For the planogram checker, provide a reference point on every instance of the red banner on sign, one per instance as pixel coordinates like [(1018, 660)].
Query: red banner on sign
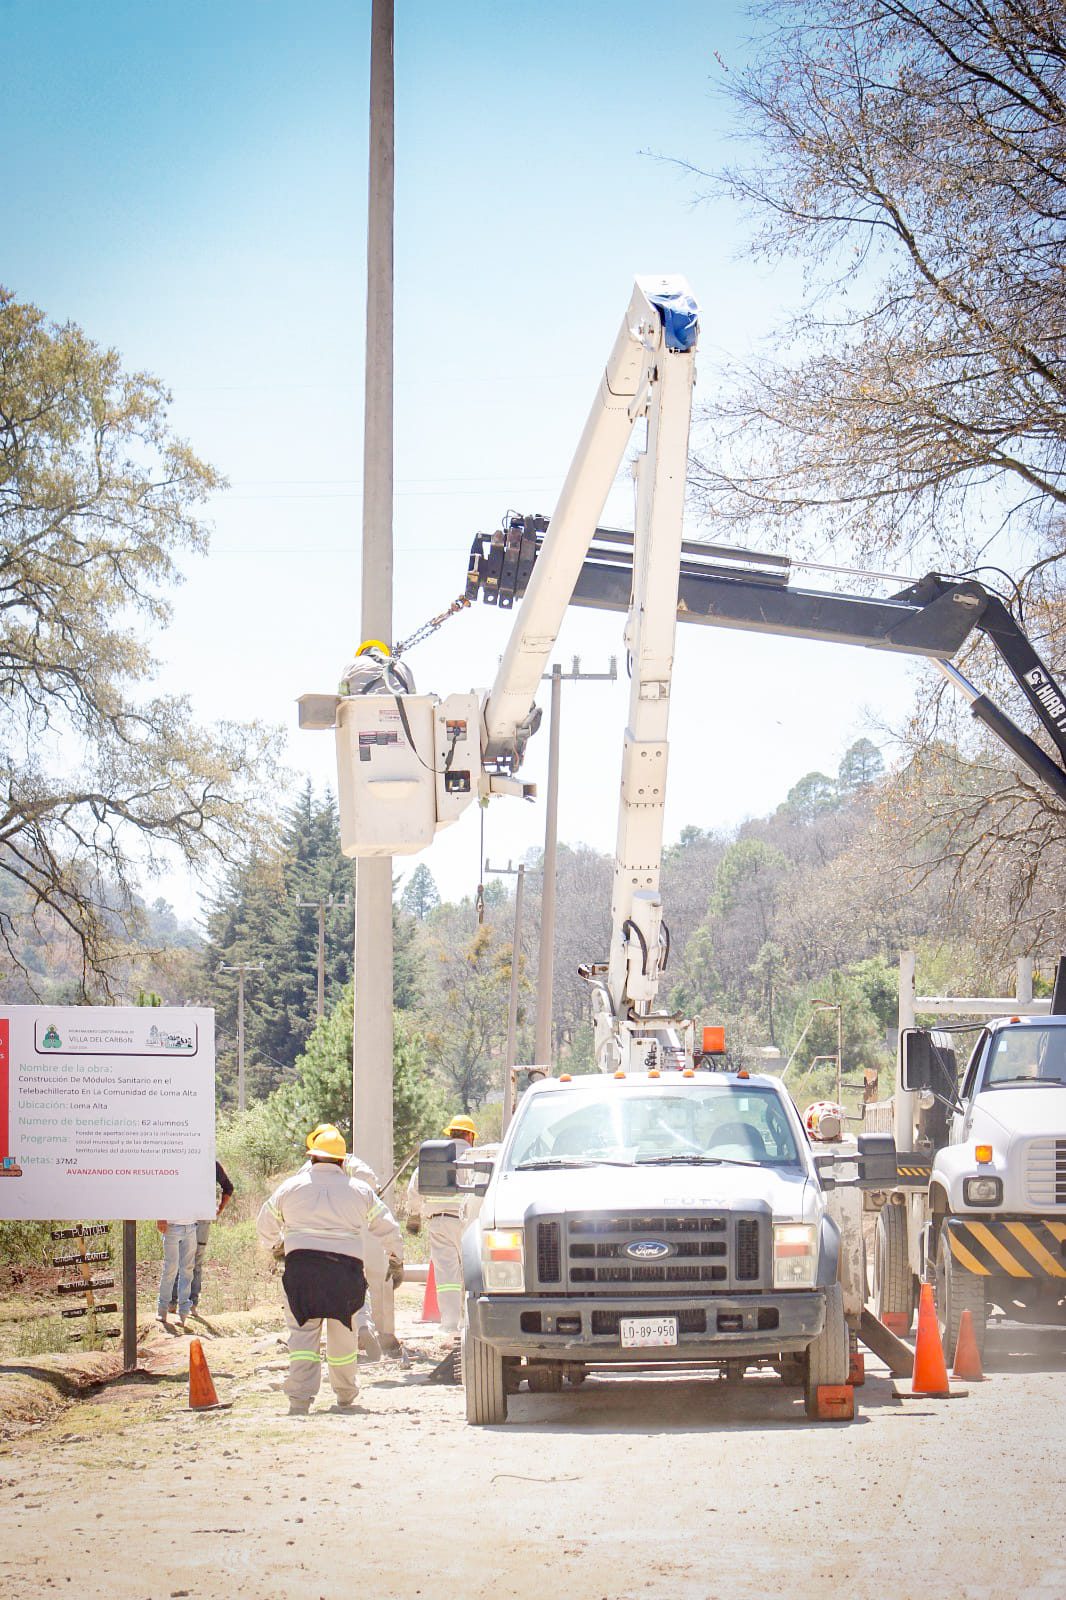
[(5, 1148)]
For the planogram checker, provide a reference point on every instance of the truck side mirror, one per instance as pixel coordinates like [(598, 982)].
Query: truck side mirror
[(877, 1161), (436, 1168), (926, 1066)]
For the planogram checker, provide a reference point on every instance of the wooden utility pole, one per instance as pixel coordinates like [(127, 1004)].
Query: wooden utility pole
[(372, 1065), (322, 906), (240, 968)]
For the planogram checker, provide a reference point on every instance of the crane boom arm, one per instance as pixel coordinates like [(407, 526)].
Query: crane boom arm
[(660, 316)]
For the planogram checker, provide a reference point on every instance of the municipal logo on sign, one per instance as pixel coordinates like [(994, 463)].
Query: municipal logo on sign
[(648, 1249), (51, 1040)]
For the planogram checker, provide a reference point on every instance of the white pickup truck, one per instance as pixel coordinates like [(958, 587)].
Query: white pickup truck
[(649, 1218)]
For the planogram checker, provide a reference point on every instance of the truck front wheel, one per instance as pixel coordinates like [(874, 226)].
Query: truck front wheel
[(827, 1360), (483, 1381), (893, 1278), (958, 1290)]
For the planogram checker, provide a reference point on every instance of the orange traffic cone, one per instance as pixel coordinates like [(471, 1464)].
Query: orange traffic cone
[(930, 1369), (430, 1308), (967, 1364), (202, 1396)]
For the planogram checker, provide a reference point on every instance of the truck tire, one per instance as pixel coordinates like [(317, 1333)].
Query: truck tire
[(827, 1360), (956, 1291), (486, 1394), (893, 1278)]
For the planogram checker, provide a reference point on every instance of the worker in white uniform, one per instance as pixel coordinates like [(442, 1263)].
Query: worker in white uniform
[(444, 1219), (376, 1319), (322, 1217)]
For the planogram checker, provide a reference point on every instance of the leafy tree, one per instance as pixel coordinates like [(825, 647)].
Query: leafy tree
[(322, 1091), (266, 914), (102, 776), (861, 765), (465, 1012), (420, 893), (911, 152), (812, 795)]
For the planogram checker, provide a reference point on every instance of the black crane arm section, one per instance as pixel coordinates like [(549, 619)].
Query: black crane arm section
[(726, 587)]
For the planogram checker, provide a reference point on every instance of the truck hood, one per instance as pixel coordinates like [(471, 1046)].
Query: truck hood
[(790, 1195), (1020, 1112)]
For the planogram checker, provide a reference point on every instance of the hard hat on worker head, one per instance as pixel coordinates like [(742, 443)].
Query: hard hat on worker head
[(326, 1140), (460, 1125)]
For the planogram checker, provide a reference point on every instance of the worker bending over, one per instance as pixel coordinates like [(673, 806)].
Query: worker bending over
[(445, 1226), (321, 1216), (376, 1320)]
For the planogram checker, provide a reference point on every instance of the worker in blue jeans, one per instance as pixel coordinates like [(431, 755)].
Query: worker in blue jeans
[(203, 1235), (179, 1255)]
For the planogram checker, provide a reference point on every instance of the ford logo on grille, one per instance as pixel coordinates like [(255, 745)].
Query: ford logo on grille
[(648, 1249)]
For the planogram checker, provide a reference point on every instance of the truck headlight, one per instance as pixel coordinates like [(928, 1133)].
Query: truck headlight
[(795, 1255), (502, 1263), (983, 1191)]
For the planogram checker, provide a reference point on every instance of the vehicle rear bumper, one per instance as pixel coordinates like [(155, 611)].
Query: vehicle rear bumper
[(571, 1328)]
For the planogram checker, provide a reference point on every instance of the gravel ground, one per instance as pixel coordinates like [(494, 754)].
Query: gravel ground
[(685, 1487)]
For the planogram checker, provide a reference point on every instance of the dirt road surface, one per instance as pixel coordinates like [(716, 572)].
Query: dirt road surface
[(626, 1489)]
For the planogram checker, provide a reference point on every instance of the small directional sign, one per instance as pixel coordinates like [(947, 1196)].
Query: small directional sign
[(76, 1261), (83, 1284), (84, 1311), (81, 1232)]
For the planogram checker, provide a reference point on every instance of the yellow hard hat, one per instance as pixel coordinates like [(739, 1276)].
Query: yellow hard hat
[(326, 1140), (461, 1125)]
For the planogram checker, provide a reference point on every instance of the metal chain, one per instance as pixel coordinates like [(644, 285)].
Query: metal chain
[(431, 626)]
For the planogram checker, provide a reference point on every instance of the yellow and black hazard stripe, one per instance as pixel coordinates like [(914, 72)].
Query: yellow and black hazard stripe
[(1017, 1247), (912, 1171)]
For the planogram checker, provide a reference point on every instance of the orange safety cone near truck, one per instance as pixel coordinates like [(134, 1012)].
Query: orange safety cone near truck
[(930, 1369), (430, 1308), (202, 1396), (967, 1363)]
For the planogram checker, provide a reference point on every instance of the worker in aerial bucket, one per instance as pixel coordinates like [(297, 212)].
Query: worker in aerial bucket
[(321, 1216), (445, 1227)]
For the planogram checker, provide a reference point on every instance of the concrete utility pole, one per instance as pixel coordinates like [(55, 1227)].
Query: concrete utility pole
[(542, 1051), (240, 969), (518, 872), (372, 1066), (322, 906)]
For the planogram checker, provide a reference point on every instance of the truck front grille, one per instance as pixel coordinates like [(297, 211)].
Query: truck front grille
[(747, 1249), (602, 1252), (549, 1260), (1045, 1172)]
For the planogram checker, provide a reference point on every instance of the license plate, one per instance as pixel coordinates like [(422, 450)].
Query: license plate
[(641, 1333)]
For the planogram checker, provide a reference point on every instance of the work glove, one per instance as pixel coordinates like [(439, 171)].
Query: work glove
[(278, 1251), (395, 1271), (413, 1225)]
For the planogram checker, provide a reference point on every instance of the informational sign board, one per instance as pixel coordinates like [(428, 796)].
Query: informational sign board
[(107, 1111)]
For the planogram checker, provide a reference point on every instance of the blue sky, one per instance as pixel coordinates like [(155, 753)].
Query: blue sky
[(190, 187)]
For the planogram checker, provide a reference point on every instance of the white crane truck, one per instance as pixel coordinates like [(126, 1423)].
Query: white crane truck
[(979, 1208), (651, 1214)]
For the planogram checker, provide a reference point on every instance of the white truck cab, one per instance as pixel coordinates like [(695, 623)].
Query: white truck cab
[(660, 1217), (986, 1219)]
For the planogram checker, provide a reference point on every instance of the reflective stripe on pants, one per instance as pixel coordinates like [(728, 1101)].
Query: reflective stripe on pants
[(445, 1233), (305, 1361)]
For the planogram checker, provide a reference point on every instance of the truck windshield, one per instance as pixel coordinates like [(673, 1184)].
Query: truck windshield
[(1020, 1054), (697, 1122)]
